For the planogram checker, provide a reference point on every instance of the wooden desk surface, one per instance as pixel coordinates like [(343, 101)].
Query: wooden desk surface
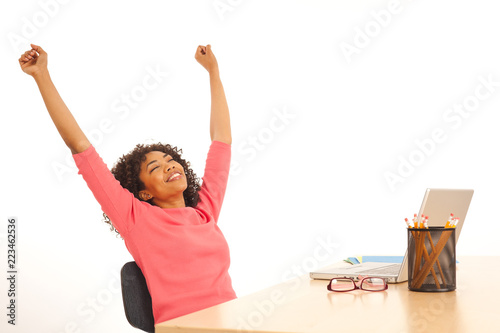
[(305, 305)]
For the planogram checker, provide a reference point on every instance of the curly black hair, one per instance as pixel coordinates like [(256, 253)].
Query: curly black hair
[(126, 170)]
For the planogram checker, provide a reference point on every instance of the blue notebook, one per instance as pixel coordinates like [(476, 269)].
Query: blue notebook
[(390, 259), (387, 259)]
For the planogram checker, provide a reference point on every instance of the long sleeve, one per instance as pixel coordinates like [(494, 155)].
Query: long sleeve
[(215, 178), (181, 251), (118, 203)]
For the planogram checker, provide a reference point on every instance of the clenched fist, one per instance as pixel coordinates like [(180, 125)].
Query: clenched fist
[(33, 61), (206, 58)]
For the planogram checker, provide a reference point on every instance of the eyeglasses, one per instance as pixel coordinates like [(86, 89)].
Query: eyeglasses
[(366, 283)]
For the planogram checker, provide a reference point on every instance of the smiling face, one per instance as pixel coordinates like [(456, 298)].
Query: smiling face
[(164, 180)]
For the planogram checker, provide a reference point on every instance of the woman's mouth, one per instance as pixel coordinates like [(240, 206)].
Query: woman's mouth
[(174, 176)]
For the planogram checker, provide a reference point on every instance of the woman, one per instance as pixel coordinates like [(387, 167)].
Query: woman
[(153, 199)]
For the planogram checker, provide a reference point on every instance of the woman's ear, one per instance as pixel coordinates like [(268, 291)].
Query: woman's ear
[(145, 196)]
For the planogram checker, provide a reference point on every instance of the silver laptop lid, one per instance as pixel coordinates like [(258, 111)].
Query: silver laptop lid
[(439, 203)]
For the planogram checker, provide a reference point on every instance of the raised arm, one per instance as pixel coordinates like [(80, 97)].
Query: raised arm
[(220, 125), (34, 63)]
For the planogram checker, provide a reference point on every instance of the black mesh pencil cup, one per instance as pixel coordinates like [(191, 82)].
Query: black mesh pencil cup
[(431, 259)]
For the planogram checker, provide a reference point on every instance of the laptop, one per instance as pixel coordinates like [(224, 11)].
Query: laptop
[(437, 205)]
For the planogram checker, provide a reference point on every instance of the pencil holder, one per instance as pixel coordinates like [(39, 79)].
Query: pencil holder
[(431, 259)]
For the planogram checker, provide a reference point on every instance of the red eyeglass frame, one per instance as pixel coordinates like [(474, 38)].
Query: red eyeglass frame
[(356, 286)]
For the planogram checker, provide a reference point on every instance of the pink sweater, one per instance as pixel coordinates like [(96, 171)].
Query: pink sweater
[(181, 251)]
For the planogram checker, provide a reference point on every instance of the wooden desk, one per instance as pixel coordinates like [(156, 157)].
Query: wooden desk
[(304, 305)]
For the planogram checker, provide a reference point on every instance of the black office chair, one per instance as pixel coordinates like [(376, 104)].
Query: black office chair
[(136, 298)]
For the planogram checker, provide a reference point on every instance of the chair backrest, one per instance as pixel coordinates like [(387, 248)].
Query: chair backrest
[(136, 298)]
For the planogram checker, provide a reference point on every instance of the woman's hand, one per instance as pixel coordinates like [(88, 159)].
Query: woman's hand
[(206, 58), (34, 61), (220, 125)]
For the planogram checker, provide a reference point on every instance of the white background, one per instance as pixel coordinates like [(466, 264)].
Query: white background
[(316, 176)]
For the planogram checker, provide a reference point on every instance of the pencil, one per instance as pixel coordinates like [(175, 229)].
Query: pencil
[(419, 280), (427, 258), (437, 261)]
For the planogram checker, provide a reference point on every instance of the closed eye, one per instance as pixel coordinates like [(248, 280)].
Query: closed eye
[(156, 167)]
